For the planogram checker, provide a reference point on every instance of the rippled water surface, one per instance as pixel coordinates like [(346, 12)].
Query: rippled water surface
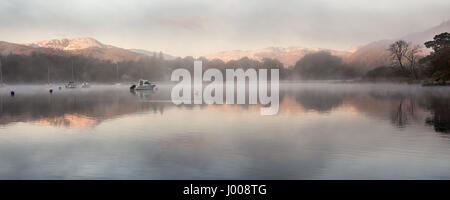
[(322, 131)]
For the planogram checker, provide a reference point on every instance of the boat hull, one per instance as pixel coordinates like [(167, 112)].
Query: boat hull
[(151, 87)]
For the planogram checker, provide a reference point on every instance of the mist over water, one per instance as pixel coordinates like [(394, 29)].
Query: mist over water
[(322, 131)]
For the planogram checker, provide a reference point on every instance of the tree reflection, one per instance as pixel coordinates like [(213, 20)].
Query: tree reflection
[(440, 111), (404, 112), (321, 101), (401, 108)]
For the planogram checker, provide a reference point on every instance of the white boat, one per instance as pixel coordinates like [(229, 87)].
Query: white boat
[(71, 84), (85, 85), (144, 85)]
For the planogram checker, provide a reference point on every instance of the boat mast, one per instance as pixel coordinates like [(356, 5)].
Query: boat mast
[(72, 72), (117, 72), (48, 74), (1, 73)]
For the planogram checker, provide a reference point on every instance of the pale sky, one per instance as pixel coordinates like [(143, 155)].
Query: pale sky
[(201, 27)]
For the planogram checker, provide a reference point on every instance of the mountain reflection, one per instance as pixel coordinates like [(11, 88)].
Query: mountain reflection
[(71, 108), (401, 106)]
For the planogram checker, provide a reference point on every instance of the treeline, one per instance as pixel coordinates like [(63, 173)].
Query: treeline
[(323, 66), (43, 68)]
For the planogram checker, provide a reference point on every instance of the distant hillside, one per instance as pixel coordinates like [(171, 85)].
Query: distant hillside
[(69, 44), (370, 56), (12, 48), (288, 56), (77, 46), (421, 37), (153, 53), (374, 54)]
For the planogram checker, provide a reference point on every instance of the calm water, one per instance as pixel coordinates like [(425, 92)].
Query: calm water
[(322, 131)]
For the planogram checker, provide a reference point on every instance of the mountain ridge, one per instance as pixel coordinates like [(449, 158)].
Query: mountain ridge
[(67, 44), (286, 55), (375, 54), (84, 46), (367, 56)]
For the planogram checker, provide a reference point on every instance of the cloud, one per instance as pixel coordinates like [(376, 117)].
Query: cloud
[(199, 27), (188, 23)]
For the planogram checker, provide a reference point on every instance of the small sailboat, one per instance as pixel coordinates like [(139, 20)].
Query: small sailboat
[(117, 83), (85, 85), (71, 84), (49, 84)]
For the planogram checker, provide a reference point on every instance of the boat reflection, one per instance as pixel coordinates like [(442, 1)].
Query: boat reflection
[(402, 106)]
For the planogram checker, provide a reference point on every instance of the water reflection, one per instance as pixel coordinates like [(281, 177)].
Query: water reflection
[(440, 113), (322, 131), (320, 101), (72, 108), (402, 105)]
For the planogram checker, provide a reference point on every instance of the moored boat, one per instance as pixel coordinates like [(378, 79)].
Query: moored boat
[(85, 85), (144, 85), (71, 85)]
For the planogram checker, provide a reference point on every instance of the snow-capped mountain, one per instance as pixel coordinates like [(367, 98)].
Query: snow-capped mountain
[(88, 47), (288, 56), (69, 44), (77, 46)]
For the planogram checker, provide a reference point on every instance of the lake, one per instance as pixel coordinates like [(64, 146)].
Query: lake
[(322, 131)]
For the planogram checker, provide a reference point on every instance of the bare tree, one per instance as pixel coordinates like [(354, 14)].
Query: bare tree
[(412, 57), (405, 56), (398, 50)]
